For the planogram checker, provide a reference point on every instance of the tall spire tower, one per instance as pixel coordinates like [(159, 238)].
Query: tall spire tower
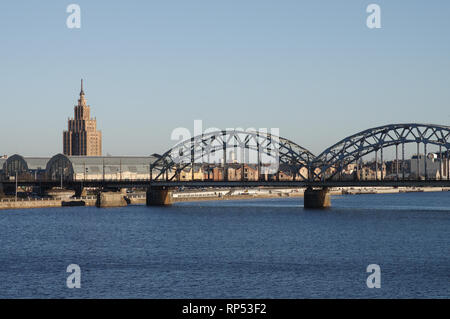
[(82, 137)]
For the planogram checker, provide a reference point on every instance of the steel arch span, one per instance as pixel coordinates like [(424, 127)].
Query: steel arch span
[(349, 150), (266, 154)]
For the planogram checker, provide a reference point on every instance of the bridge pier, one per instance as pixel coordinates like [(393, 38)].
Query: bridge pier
[(111, 199), (159, 196), (316, 198)]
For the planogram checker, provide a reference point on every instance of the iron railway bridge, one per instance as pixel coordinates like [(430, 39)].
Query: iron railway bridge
[(253, 159)]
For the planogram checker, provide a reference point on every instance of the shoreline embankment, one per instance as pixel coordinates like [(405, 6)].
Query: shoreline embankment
[(210, 195), (286, 193)]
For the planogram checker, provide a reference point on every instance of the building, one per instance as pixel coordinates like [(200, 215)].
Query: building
[(234, 172), (61, 167), (76, 168), (25, 168), (400, 166), (82, 137), (370, 171), (190, 173), (435, 165)]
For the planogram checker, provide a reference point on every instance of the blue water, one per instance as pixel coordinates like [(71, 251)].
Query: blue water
[(266, 248)]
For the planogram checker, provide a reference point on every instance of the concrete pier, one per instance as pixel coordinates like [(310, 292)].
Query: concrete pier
[(111, 199), (159, 196), (317, 198)]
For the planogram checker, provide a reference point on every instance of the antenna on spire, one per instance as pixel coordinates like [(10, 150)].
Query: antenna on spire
[(81, 92)]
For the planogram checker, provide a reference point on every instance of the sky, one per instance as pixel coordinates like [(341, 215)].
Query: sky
[(313, 69)]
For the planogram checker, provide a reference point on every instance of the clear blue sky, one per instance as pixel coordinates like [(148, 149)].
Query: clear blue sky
[(311, 68)]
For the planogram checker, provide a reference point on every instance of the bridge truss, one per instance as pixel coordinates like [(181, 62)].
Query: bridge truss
[(252, 156), (267, 154), (331, 162)]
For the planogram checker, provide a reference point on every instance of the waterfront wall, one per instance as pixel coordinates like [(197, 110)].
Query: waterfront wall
[(45, 202), (11, 203), (140, 198), (23, 204)]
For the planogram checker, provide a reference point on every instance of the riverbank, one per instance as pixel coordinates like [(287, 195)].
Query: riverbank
[(11, 203), (211, 195), (193, 196), (29, 203), (234, 197)]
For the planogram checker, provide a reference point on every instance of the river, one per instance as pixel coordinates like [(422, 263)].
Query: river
[(263, 248)]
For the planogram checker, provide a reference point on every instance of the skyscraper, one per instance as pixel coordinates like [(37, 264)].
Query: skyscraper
[(82, 137)]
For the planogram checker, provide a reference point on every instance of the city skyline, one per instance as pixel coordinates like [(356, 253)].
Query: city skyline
[(156, 67)]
